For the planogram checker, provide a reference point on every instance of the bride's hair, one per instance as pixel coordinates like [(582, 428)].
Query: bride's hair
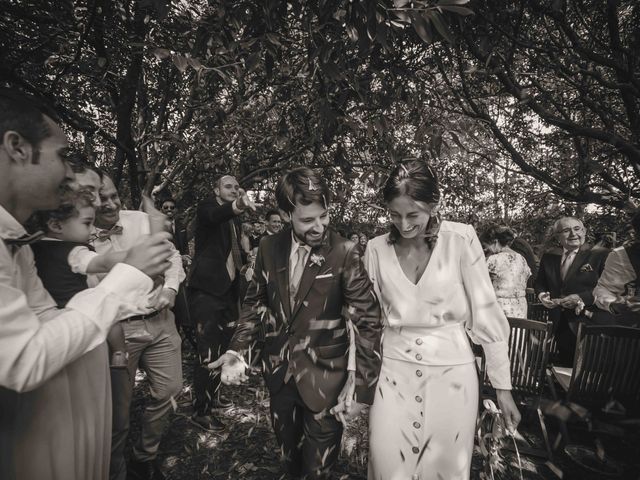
[(416, 179)]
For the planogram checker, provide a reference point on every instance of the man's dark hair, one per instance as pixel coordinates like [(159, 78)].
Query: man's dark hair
[(302, 186), (80, 163), (24, 114), (270, 213)]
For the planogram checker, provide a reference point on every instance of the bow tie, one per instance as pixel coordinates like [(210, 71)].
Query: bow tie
[(104, 234), (23, 240)]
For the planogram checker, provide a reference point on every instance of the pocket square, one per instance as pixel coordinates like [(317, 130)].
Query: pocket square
[(326, 275), (586, 268)]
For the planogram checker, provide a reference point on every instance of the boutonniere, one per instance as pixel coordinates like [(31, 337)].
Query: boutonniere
[(586, 268), (316, 259)]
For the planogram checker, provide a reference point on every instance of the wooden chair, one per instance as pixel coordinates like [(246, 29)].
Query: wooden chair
[(530, 343), (529, 346), (606, 367), (538, 311)]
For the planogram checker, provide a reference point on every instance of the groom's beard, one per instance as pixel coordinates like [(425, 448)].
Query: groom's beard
[(312, 238)]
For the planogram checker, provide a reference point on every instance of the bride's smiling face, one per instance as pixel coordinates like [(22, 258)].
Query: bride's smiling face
[(410, 217)]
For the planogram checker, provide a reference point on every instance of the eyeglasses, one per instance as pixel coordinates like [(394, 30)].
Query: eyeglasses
[(576, 229), (168, 208)]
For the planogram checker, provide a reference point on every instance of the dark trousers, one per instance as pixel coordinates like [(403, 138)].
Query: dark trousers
[(309, 441), (215, 323)]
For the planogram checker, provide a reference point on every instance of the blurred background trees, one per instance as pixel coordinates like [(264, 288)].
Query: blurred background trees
[(526, 109)]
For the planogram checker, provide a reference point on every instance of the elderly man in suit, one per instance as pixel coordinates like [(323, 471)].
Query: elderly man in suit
[(213, 289), (565, 282), (308, 282)]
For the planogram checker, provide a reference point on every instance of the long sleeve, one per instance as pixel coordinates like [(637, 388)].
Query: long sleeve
[(174, 275), (487, 324), (36, 340), (616, 274), (210, 212), (363, 310)]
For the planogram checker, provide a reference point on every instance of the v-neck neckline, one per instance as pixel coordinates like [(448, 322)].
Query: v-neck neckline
[(426, 268)]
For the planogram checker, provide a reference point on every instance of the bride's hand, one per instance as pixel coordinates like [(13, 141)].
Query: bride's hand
[(510, 411)]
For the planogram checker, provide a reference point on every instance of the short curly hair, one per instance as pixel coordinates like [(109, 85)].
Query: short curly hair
[(72, 201), (503, 234)]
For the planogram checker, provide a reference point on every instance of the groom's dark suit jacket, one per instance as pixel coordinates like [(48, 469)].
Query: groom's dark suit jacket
[(313, 337)]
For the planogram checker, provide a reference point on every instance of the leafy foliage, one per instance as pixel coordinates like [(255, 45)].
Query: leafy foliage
[(519, 106)]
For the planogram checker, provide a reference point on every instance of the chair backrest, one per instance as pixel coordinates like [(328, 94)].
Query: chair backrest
[(529, 347), (606, 366), (530, 342), (537, 311)]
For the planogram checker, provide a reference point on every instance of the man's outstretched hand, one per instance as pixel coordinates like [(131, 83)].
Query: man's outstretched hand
[(233, 369), (244, 202)]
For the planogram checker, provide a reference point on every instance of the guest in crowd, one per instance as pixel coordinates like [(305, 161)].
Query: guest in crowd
[(508, 270), (153, 343), (87, 176), (355, 238), (309, 282), (273, 222), (565, 282), (213, 290), (181, 241), (521, 246), (47, 429), (363, 240), (617, 290), (246, 230), (435, 293)]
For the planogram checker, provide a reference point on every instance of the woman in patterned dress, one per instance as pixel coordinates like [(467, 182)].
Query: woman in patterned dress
[(508, 270)]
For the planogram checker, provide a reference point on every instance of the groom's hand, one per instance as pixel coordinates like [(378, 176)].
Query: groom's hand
[(233, 369), (345, 399), (347, 408)]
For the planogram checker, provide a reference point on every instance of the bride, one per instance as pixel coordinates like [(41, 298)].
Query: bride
[(434, 291)]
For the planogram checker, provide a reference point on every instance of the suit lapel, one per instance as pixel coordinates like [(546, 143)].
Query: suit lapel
[(577, 263), (281, 256), (310, 272)]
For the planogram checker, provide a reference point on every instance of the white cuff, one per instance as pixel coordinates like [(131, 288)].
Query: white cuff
[(498, 365)]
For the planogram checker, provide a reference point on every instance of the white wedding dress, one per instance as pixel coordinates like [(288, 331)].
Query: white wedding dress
[(422, 421)]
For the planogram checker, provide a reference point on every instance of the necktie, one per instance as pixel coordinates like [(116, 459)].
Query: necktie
[(566, 264), (234, 260), (296, 275), (23, 240), (104, 234)]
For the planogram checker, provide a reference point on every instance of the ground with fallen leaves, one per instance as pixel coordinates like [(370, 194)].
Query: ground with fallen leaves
[(248, 450)]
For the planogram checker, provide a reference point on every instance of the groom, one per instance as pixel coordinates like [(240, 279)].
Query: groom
[(308, 281)]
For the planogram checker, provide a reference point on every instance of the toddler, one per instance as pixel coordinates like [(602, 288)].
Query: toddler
[(64, 258)]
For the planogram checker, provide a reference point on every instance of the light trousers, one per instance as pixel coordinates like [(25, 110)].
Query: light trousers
[(154, 346)]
